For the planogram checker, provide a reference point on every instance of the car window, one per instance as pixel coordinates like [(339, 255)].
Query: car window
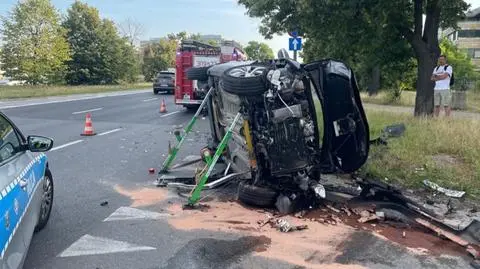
[(166, 75), (9, 142)]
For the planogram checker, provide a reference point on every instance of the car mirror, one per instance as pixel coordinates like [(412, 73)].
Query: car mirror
[(39, 143)]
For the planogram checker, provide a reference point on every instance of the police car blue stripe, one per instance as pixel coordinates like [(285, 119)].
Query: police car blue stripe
[(16, 200)]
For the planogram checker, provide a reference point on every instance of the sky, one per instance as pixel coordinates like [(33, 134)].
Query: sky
[(161, 17)]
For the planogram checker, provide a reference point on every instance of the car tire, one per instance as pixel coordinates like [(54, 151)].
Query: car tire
[(192, 108), (155, 92), (256, 195), (47, 201), (235, 82), (197, 73)]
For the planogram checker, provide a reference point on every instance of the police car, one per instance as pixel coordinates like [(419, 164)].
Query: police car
[(26, 191)]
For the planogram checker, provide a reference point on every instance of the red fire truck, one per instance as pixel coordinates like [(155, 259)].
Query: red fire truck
[(192, 60)]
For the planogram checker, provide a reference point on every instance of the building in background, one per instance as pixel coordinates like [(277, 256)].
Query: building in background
[(467, 37)]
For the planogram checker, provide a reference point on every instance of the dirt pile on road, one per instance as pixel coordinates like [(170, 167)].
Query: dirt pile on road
[(315, 247), (143, 196)]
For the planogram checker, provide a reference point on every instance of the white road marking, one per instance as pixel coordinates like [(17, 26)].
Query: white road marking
[(66, 145), (89, 110), (92, 245), (72, 99), (170, 114), (151, 99), (130, 213), (109, 132)]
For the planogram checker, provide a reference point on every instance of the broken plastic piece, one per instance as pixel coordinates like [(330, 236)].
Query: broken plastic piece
[(447, 234), (333, 209), (447, 192), (367, 216), (284, 226), (320, 191)]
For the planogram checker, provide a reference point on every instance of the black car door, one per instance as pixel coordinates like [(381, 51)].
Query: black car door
[(345, 144)]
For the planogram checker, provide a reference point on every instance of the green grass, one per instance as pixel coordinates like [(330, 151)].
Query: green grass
[(13, 92), (410, 159), (383, 98), (408, 99)]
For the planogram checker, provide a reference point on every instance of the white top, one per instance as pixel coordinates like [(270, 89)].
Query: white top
[(443, 84)]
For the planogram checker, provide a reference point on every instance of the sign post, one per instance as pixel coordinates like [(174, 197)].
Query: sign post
[(294, 43)]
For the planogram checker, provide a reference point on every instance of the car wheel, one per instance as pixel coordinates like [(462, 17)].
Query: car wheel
[(245, 80), (256, 195), (47, 201), (198, 73), (192, 108), (155, 92)]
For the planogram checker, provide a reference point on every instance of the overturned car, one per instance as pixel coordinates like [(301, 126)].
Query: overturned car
[(297, 121)]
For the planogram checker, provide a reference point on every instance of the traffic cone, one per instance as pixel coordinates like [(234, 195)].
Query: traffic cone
[(88, 131), (163, 107)]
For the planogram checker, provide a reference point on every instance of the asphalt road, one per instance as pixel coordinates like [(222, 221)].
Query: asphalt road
[(136, 228)]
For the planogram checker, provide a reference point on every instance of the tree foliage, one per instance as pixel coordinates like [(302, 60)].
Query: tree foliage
[(183, 35), (35, 48), (132, 30), (99, 54), (462, 65), (258, 51), (157, 57), (376, 32)]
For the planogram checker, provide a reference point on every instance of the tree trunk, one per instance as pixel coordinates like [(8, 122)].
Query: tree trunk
[(424, 99), (374, 81)]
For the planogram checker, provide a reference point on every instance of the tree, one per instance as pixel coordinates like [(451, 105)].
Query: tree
[(35, 48), (157, 57), (459, 60), (373, 26), (132, 30), (213, 42), (183, 35), (258, 51), (100, 55)]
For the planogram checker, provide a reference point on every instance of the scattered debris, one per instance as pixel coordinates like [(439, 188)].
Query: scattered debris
[(333, 209), (269, 219), (442, 232), (336, 219), (366, 216), (380, 215), (300, 214), (404, 234), (320, 191), (104, 203), (284, 226), (347, 211), (201, 207), (447, 192), (475, 252)]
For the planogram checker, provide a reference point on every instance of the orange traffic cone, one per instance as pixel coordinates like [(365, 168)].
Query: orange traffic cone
[(88, 131), (163, 107)]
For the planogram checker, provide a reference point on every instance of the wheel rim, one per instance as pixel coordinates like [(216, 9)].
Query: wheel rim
[(247, 71), (47, 198)]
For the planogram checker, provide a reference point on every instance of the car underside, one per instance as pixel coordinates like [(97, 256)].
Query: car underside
[(296, 122)]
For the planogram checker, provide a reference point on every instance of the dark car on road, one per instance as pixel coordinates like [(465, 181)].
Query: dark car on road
[(26, 191), (164, 82)]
